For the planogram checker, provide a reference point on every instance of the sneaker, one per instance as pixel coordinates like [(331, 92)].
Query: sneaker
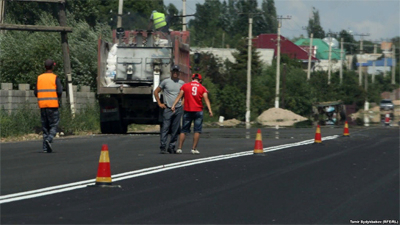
[(162, 151), (195, 151), (178, 151), (171, 151), (49, 148)]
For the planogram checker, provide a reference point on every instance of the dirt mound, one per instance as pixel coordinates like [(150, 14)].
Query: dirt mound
[(281, 117), (230, 123)]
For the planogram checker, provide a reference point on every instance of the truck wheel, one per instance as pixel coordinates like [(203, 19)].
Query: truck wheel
[(105, 127), (124, 128), (119, 127)]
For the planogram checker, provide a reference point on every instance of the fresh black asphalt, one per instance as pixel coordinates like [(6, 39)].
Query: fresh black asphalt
[(340, 181)]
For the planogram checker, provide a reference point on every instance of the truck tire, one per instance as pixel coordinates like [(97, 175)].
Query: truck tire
[(105, 127)]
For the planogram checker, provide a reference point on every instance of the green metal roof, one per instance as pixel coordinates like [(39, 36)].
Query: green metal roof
[(322, 48)]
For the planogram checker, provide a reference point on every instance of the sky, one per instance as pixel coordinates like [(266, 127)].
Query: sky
[(380, 19)]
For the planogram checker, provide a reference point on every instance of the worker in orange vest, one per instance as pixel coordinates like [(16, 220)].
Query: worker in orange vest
[(48, 90)]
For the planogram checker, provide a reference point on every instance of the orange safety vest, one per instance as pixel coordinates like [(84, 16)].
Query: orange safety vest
[(47, 91)]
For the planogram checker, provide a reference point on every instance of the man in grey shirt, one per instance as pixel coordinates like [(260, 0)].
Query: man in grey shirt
[(171, 120)]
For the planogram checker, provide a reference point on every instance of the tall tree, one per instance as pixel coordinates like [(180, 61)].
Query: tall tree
[(349, 42), (314, 25), (206, 23), (269, 18), (173, 20)]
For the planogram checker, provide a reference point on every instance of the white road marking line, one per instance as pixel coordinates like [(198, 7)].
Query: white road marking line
[(142, 172)]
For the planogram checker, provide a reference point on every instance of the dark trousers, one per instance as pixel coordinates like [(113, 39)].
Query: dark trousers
[(50, 118), (171, 124)]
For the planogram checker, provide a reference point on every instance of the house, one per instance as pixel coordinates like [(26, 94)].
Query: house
[(322, 53), (269, 41), (380, 65)]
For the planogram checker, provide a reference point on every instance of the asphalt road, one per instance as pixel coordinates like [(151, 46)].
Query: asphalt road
[(341, 181)]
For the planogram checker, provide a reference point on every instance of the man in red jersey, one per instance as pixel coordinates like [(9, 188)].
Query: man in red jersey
[(193, 94)]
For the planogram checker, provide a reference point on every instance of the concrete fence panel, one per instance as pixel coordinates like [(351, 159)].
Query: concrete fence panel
[(11, 100)]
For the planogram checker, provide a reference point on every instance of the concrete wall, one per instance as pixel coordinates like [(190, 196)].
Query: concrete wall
[(13, 99), (266, 55)]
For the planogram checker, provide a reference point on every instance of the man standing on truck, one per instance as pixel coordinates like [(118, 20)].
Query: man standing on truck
[(158, 20), (171, 119), (48, 90), (193, 94)]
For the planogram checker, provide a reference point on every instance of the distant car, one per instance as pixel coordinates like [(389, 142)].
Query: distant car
[(386, 104)]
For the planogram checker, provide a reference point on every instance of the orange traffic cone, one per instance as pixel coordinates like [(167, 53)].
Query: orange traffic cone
[(318, 135), (346, 130), (258, 147), (104, 171), (387, 119)]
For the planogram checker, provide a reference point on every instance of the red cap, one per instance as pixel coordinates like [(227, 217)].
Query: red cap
[(196, 75)]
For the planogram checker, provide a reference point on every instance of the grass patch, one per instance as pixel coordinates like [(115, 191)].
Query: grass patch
[(26, 120)]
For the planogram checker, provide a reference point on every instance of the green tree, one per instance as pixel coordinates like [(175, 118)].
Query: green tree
[(23, 53), (173, 19), (269, 18), (314, 25), (206, 24), (349, 43), (233, 102)]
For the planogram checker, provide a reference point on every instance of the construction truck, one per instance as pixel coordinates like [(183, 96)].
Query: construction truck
[(131, 68), (329, 113)]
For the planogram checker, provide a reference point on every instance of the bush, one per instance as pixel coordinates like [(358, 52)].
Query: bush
[(24, 120), (87, 120), (21, 121)]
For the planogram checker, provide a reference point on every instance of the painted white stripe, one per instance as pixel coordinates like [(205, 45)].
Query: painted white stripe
[(143, 172)]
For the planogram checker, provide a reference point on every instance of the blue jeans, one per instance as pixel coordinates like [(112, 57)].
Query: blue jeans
[(188, 117), (50, 118)]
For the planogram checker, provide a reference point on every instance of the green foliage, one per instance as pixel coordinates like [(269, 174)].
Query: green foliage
[(22, 121), (233, 102), (26, 120), (297, 97), (229, 21), (270, 25), (23, 53), (214, 100), (88, 119), (314, 25), (83, 48)]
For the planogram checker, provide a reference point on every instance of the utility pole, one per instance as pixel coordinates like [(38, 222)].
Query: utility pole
[(2, 5), (120, 7), (223, 39), (384, 64), (66, 59), (373, 65), (366, 103), (329, 58), (283, 85), (248, 93), (309, 54), (183, 15), (278, 59), (341, 61), (393, 63), (361, 52), (309, 57)]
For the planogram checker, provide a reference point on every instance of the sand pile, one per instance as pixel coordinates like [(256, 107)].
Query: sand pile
[(230, 123), (281, 117)]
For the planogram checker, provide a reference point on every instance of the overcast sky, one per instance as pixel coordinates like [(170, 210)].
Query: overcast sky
[(378, 18)]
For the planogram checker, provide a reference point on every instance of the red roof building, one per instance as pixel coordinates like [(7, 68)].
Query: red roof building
[(269, 41)]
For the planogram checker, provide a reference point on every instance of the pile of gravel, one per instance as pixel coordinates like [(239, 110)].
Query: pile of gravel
[(281, 117)]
